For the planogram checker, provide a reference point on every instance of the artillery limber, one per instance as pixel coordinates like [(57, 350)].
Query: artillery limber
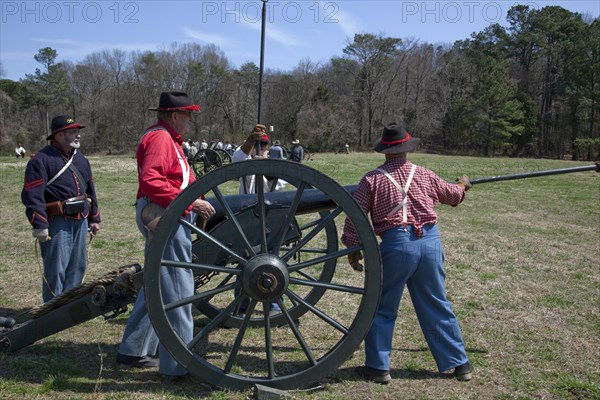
[(259, 249)]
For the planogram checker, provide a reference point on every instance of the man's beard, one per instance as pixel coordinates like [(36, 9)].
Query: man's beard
[(75, 145)]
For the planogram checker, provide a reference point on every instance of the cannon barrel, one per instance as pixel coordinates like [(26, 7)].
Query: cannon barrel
[(535, 174), (314, 200)]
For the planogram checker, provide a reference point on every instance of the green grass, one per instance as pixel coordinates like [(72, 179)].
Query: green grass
[(522, 273)]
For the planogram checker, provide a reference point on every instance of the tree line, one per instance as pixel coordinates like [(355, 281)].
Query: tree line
[(531, 88)]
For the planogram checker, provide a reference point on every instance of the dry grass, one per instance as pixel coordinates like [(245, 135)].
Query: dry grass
[(522, 274)]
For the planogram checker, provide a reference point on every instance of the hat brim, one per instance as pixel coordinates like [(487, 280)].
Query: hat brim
[(410, 145), (195, 110), (72, 126)]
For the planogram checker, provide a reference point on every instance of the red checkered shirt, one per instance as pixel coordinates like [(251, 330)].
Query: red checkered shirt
[(377, 196)]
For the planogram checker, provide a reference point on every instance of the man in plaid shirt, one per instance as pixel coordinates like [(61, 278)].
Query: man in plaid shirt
[(401, 198)]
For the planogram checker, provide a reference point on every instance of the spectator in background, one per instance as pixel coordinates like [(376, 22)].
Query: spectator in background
[(247, 184), (244, 152), (228, 147), (186, 147), (192, 150), (276, 151), (345, 149), (297, 152), (20, 151), (60, 203)]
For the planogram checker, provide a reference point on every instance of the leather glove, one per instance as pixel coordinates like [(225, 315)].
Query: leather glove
[(354, 261), (40, 234), (464, 182)]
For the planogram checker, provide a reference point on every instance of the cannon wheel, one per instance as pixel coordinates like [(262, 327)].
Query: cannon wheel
[(225, 156), (326, 272), (290, 356), (212, 160), (197, 163), (205, 161)]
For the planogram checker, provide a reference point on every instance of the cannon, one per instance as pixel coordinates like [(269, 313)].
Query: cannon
[(263, 248), (208, 160), (260, 249)]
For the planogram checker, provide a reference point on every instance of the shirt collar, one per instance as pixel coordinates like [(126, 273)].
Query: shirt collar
[(176, 136), (400, 160)]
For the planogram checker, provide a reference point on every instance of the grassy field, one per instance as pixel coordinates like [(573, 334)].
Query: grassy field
[(523, 274)]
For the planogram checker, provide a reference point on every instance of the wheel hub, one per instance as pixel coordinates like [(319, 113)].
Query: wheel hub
[(265, 278)]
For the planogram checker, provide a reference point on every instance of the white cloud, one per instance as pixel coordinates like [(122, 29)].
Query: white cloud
[(83, 48), (282, 37), (272, 32), (218, 40)]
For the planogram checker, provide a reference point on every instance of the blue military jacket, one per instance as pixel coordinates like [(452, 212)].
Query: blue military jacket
[(37, 193)]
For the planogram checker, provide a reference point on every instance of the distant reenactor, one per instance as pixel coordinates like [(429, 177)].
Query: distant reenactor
[(297, 151), (20, 151)]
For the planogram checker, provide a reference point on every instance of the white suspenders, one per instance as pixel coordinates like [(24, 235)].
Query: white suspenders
[(404, 190), (185, 167)]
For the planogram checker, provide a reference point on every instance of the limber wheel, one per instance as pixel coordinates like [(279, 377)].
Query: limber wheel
[(328, 327)]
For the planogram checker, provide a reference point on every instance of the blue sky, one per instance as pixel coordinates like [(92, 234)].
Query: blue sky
[(296, 30)]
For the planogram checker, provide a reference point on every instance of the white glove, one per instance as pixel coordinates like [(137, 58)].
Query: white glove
[(40, 234)]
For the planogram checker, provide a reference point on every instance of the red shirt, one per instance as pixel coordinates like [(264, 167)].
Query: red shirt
[(159, 156), (376, 195)]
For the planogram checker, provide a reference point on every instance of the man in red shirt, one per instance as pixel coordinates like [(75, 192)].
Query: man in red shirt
[(401, 198), (163, 172)]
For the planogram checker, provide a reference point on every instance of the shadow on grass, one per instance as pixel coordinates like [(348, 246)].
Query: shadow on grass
[(348, 374), (62, 366)]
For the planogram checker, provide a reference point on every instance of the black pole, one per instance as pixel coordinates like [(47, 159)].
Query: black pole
[(262, 59)]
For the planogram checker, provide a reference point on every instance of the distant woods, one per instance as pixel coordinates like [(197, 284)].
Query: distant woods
[(529, 89)]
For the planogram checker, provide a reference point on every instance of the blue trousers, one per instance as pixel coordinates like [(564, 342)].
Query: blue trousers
[(65, 256), (417, 263), (139, 338)]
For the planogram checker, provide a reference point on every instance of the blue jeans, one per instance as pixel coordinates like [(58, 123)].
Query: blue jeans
[(417, 263), (139, 338), (65, 256)]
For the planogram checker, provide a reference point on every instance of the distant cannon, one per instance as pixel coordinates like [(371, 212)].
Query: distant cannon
[(259, 249), (204, 161)]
